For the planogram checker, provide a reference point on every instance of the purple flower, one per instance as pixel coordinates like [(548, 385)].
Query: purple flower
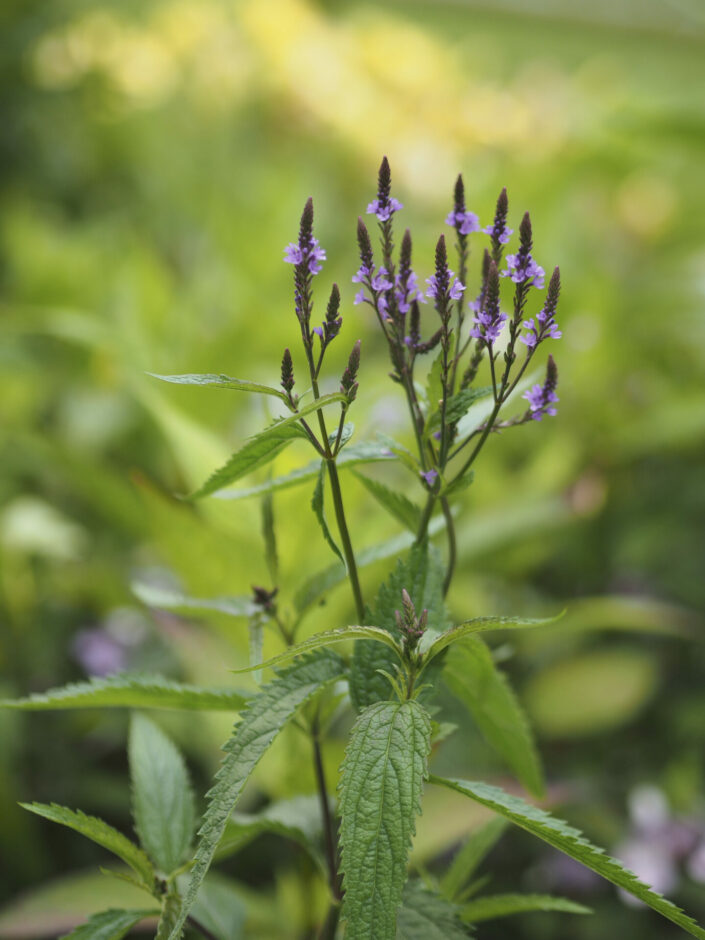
[(523, 268), (407, 291), (542, 398), (384, 209), (455, 290), (501, 235), (488, 320), (463, 221), (99, 653), (360, 296), (306, 254), (430, 476), (545, 326), (380, 281), (498, 230)]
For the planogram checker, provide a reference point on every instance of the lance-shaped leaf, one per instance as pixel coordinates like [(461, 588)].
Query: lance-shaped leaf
[(421, 574), (425, 915), (138, 691), (172, 599), (100, 832), (319, 640), (480, 625), (468, 858), (380, 794), (264, 717), (108, 925), (362, 453), (319, 511), (504, 905), (472, 676), (396, 503), (572, 842), (162, 799), (457, 407), (221, 381), (264, 447)]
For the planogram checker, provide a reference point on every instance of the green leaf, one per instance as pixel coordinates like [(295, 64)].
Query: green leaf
[(108, 925), (323, 581), (425, 915), (480, 625), (320, 640), (459, 485), (402, 454), (100, 832), (169, 598), (396, 503), (221, 381), (380, 794), (319, 512), (262, 720), (255, 630), (269, 535), (132, 691), (469, 857), (502, 905), (364, 452), (297, 819), (264, 447), (162, 800), (422, 575), (220, 909), (472, 676), (457, 407), (434, 386), (566, 839)]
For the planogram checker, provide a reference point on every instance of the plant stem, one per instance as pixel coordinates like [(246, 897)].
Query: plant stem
[(452, 545), (328, 832), (425, 518), (345, 538)]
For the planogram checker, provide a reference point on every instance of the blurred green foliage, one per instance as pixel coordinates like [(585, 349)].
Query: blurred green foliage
[(155, 157)]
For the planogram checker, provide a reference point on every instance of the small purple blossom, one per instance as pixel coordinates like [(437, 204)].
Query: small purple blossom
[(455, 291), (463, 222), (542, 398), (430, 476), (384, 209), (407, 291), (502, 235), (498, 230), (380, 280), (488, 320), (311, 254), (545, 326), (523, 268)]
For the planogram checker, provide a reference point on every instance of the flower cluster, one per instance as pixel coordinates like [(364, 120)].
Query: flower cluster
[(521, 267), (498, 231), (488, 320), (542, 398), (545, 326), (307, 252), (385, 205), (411, 627), (443, 286)]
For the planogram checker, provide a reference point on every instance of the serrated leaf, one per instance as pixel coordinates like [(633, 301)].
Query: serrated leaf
[(108, 925), (421, 574), (380, 794), (566, 839), (297, 819), (503, 905), (364, 452), (319, 511), (468, 858), (425, 915), (396, 503), (100, 832), (320, 640), (264, 447), (131, 691), (262, 720), (457, 407), (162, 799), (480, 625), (317, 585), (472, 677), (221, 381)]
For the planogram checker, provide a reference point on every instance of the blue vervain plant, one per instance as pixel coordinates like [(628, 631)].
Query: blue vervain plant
[(403, 644)]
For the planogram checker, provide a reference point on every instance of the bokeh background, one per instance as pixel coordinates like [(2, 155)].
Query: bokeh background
[(155, 159)]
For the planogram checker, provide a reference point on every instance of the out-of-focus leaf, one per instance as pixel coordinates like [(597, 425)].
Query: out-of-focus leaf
[(591, 692), (108, 925), (503, 905), (479, 625), (317, 504), (169, 598), (162, 799), (472, 676), (426, 915), (467, 859), (220, 908), (395, 502)]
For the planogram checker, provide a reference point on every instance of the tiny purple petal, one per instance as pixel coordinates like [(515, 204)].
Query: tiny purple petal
[(430, 476)]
